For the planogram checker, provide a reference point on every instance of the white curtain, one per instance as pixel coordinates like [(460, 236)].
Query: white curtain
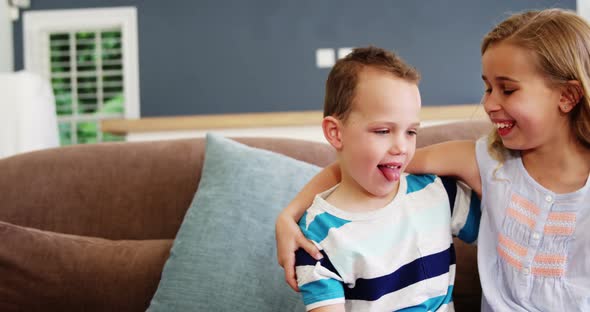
[(27, 114)]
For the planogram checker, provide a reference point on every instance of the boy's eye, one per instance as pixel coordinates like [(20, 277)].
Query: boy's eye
[(412, 132), (381, 131)]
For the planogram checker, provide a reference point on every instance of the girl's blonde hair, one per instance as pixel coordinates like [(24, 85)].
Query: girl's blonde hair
[(561, 41)]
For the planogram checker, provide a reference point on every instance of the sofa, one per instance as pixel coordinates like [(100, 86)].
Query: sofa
[(90, 227)]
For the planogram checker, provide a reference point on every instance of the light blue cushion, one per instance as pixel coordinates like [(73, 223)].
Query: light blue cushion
[(223, 257)]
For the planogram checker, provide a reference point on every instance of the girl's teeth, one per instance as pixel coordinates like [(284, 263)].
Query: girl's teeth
[(503, 125)]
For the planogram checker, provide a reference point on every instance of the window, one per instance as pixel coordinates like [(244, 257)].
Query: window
[(90, 58)]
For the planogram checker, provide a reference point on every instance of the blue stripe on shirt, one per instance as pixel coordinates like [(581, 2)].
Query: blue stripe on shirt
[(470, 230), (321, 290), (318, 229), (418, 270), (418, 182)]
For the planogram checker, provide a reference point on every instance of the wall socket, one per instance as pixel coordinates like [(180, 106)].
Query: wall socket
[(343, 52), (326, 57)]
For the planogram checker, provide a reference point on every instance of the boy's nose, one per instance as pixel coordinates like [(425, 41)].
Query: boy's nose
[(398, 146)]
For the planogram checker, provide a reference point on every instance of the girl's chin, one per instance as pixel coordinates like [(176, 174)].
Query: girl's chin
[(515, 145)]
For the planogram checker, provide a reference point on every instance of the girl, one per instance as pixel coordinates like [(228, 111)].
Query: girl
[(532, 172)]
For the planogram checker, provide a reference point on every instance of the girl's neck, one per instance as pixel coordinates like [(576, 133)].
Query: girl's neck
[(562, 167)]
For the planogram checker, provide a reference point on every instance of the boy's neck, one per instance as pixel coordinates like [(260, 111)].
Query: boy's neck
[(349, 196)]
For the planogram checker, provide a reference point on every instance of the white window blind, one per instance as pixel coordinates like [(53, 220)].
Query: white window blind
[(90, 58)]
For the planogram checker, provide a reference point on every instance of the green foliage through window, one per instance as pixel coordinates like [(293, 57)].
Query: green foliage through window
[(87, 80)]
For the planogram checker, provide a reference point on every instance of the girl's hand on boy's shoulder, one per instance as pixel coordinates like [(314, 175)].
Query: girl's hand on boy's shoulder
[(289, 239)]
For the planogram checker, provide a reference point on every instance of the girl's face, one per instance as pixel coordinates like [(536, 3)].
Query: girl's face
[(519, 100)]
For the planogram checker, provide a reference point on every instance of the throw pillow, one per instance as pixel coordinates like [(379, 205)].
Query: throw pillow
[(223, 257), (48, 271)]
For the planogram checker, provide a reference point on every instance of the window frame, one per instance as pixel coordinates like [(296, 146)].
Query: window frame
[(37, 26)]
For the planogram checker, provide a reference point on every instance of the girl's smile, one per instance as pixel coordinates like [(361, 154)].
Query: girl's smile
[(504, 126), (520, 101)]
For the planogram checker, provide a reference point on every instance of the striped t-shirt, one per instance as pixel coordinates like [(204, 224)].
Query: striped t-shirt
[(398, 257)]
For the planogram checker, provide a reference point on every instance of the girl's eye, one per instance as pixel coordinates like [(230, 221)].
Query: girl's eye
[(412, 132), (504, 91), (508, 92), (381, 131)]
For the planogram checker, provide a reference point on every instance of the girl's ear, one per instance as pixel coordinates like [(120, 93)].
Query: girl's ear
[(571, 95), (332, 131)]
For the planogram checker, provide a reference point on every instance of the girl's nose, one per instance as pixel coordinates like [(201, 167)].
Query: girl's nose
[(490, 103)]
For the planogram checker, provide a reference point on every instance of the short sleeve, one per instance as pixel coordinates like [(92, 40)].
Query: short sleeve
[(465, 209), (318, 282)]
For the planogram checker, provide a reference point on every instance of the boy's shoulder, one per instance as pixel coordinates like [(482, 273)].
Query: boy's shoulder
[(417, 182), (429, 184), (316, 222), (320, 209)]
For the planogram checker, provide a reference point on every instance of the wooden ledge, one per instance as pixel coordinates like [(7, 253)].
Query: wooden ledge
[(265, 120)]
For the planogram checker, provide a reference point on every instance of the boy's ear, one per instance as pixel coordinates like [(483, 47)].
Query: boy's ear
[(332, 131), (571, 95)]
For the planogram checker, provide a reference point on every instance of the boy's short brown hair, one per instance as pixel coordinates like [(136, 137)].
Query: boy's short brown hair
[(343, 78)]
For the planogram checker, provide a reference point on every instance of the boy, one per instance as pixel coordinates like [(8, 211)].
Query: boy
[(385, 236)]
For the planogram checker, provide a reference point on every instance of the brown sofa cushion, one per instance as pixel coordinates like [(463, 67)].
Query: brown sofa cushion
[(47, 271), (139, 190), (467, 291)]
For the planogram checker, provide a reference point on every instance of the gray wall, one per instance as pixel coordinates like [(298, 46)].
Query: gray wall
[(224, 56)]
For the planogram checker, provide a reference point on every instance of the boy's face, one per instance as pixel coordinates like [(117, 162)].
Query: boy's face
[(379, 137)]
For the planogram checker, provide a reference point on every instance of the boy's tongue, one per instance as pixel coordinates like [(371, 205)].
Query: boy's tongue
[(390, 173)]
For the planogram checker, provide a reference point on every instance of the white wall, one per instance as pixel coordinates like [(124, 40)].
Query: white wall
[(6, 54), (583, 8)]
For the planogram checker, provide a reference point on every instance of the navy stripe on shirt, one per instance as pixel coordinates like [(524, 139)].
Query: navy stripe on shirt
[(303, 258), (450, 185), (418, 270)]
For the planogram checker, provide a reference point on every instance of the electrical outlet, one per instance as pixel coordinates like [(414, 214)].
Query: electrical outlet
[(325, 58), (343, 52)]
